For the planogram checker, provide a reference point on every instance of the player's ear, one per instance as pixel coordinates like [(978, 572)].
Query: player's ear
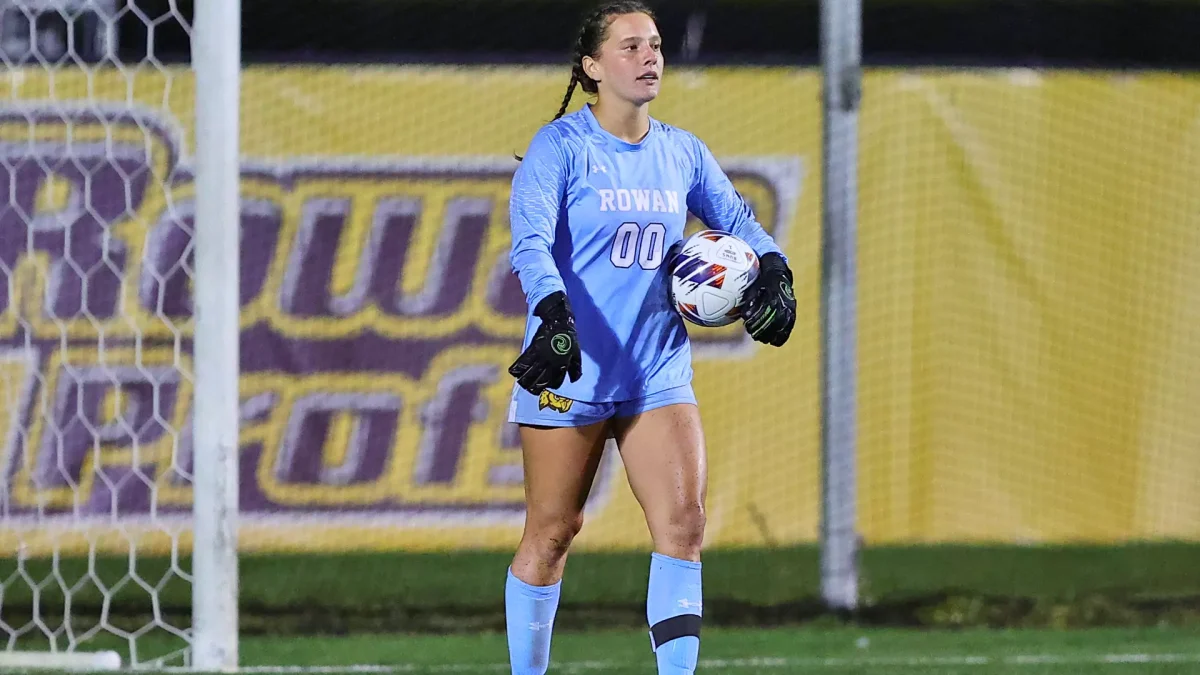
[(591, 68)]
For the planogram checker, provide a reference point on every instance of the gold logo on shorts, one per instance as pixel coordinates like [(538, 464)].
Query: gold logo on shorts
[(554, 402)]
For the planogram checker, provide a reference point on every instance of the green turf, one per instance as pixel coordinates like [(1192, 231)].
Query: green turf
[(775, 651), (754, 576), (803, 651), (783, 650), (932, 586), (804, 647), (435, 613)]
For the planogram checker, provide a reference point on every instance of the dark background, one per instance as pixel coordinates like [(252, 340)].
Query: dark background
[(1158, 34)]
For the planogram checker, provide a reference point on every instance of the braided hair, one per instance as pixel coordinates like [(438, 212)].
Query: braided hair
[(592, 33)]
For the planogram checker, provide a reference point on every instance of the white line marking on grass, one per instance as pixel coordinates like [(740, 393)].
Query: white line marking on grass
[(763, 663)]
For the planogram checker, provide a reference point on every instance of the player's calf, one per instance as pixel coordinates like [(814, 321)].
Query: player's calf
[(533, 588), (663, 452), (674, 601), (560, 464), (674, 605), (529, 616)]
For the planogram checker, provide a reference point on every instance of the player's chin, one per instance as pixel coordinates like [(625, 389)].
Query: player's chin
[(645, 95)]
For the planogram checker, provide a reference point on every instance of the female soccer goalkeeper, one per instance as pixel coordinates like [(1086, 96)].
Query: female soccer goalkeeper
[(598, 200)]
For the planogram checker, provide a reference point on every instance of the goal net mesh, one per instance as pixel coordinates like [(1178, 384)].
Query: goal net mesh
[(95, 324)]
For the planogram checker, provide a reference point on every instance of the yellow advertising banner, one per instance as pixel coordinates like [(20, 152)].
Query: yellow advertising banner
[(1029, 289), (1025, 363)]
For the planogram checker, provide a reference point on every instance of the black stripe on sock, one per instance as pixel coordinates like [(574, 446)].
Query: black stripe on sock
[(675, 627)]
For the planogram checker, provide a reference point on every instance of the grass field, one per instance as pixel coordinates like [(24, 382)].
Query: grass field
[(776, 651), (804, 651), (938, 609)]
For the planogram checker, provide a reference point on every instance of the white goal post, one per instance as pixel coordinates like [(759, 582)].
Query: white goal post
[(119, 335), (216, 59), (841, 79)]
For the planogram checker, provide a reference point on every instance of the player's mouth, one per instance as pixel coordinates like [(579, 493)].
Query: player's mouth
[(649, 77)]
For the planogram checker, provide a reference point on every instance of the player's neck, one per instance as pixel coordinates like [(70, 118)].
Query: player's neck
[(627, 122)]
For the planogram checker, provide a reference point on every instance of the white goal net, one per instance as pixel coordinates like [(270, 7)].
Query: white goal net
[(96, 381)]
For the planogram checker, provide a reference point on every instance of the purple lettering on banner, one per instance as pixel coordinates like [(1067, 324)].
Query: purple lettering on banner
[(144, 399), (398, 368), (306, 281), (84, 189), (302, 453), (384, 256), (456, 253), (391, 238), (447, 419), (168, 262), (253, 412), (450, 269)]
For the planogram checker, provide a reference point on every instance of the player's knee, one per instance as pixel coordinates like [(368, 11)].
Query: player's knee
[(684, 528), (552, 536)]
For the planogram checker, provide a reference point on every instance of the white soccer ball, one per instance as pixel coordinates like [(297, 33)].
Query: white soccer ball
[(709, 277)]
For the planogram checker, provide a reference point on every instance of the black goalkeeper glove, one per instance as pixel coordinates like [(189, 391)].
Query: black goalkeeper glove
[(769, 311), (553, 354)]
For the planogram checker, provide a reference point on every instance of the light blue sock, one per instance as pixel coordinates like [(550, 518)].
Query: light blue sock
[(529, 615), (673, 608)]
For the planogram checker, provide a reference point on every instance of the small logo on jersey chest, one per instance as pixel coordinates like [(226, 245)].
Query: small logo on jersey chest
[(599, 168)]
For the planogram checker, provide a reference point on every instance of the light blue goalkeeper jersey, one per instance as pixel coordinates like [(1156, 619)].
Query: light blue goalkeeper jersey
[(594, 216)]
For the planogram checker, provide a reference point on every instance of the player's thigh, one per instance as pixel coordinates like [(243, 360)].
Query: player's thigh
[(663, 451), (560, 464)]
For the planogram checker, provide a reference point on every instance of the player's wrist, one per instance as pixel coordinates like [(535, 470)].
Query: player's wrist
[(554, 307), (773, 264)]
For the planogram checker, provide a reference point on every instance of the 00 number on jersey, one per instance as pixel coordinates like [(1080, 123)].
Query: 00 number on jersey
[(643, 245)]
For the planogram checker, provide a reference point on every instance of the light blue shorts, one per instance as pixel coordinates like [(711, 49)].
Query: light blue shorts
[(552, 410)]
